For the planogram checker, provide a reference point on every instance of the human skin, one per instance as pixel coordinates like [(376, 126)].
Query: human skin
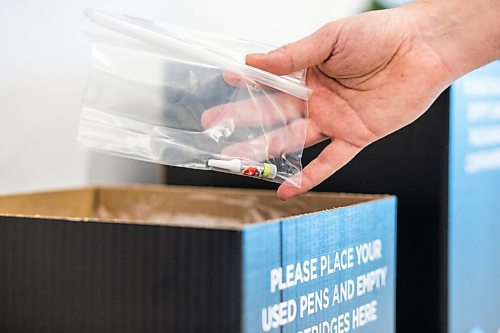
[(376, 72)]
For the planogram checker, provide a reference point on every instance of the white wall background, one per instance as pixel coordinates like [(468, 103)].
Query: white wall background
[(44, 60)]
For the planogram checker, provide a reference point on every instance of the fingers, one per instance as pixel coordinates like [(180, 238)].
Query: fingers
[(309, 51), (266, 110), (239, 81), (337, 154), (298, 134), (233, 79)]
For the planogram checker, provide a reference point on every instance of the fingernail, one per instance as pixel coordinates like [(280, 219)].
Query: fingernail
[(206, 119), (253, 56), (212, 117), (285, 192)]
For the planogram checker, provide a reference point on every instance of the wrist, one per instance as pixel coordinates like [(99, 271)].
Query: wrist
[(465, 35)]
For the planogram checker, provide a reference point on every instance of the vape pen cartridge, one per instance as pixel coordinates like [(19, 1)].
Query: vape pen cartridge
[(262, 170)]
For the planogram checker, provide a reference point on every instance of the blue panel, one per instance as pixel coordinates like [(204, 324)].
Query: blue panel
[(474, 203), (304, 238)]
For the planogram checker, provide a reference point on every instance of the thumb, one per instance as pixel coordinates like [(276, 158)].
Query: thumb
[(309, 51)]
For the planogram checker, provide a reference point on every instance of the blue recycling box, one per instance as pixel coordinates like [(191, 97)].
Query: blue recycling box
[(474, 203), (330, 271), (191, 259)]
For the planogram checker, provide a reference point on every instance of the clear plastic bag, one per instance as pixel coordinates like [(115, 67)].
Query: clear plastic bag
[(184, 98)]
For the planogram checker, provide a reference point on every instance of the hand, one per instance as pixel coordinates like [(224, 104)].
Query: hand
[(370, 76), (375, 73)]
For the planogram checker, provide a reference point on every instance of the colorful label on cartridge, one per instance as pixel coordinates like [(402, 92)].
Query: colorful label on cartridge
[(254, 171)]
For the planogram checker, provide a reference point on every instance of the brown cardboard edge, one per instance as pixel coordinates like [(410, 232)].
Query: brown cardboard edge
[(379, 198), (95, 189)]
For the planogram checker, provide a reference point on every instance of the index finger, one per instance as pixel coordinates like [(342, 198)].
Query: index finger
[(269, 109)]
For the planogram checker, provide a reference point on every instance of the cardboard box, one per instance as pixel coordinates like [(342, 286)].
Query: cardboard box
[(173, 259)]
